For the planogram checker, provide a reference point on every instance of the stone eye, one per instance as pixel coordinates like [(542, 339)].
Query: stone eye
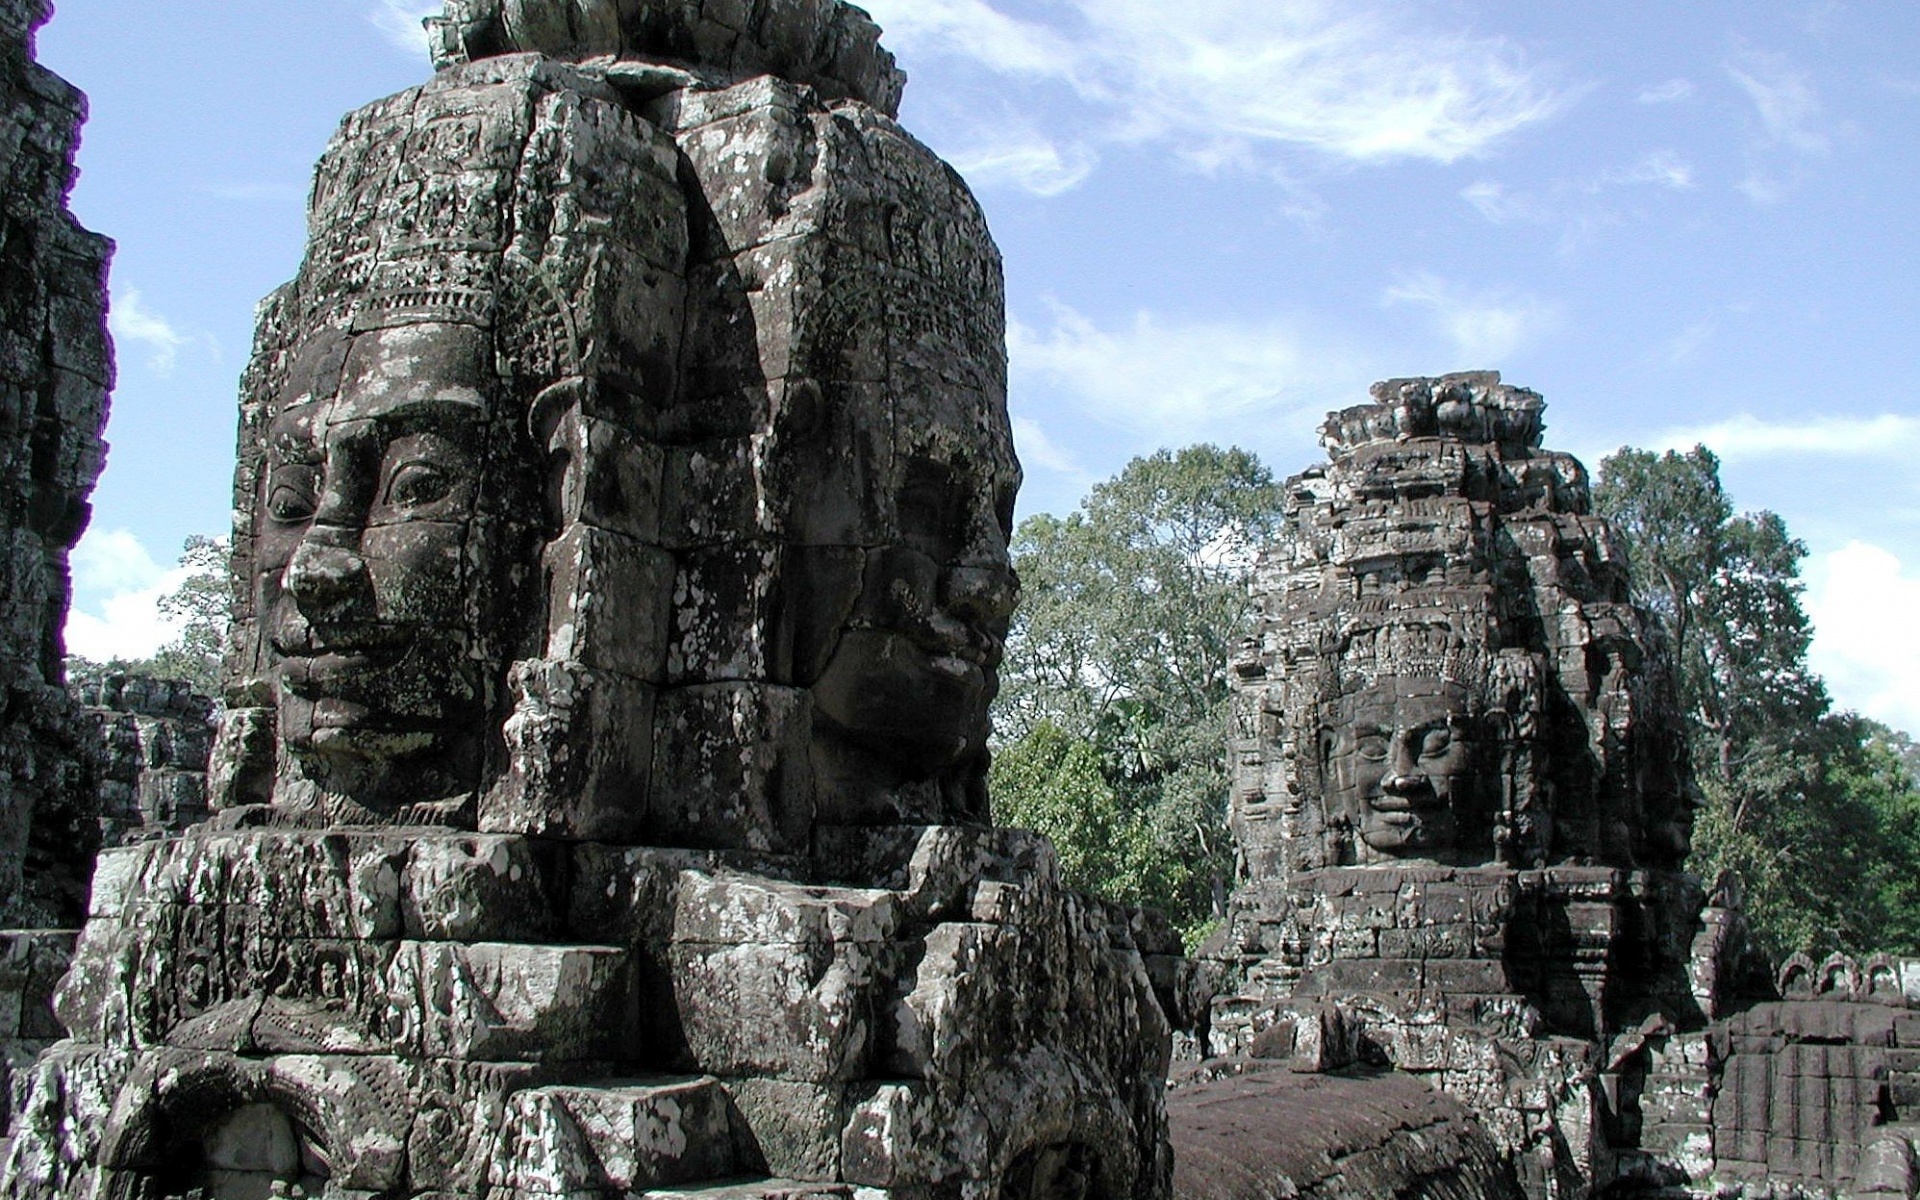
[(293, 494), (1435, 743), (415, 484), (1372, 747)]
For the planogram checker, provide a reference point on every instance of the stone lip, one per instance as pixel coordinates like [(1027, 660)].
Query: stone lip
[(828, 45)]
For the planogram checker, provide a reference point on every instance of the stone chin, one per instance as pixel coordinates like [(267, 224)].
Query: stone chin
[(895, 698)]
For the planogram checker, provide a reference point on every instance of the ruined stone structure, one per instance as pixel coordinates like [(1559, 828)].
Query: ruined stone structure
[(1463, 811), (1460, 793), (55, 371), (621, 572), (151, 739)]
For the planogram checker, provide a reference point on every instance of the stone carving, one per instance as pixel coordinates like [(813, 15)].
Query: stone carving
[(1460, 792), (621, 570), (1463, 812), (55, 371), (152, 739)]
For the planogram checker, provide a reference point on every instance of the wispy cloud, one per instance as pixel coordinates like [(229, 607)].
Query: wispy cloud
[(1685, 346), (130, 320), (1748, 437), (1790, 125), (1233, 81), (1866, 644), (1486, 327), (1180, 380), (1671, 92), (1037, 449), (1662, 168), (1579, 207), (399, 21), (1026, 159)]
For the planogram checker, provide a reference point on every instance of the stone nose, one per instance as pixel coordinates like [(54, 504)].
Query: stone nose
[(1403, 766), (328, 579), (984, 594)]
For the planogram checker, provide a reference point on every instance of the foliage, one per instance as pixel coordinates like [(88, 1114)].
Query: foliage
[(1051, 782), (1133, 605), (200, 603), (1814, 808)]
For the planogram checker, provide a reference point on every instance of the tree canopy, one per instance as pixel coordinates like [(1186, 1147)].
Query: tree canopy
[(200, 604), (1814, 808), (1118, 659)]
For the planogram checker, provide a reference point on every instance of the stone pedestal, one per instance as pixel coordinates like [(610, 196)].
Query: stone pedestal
[(402, 1014)]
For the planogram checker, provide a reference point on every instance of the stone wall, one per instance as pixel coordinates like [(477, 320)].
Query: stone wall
[(55, 371), (152, 738)]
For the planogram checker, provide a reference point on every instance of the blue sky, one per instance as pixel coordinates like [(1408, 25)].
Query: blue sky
[(1680, 222)]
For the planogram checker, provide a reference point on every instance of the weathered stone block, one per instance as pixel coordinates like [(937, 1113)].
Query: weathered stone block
[(615, 612), (620, 1136), (504, 1002), (578, 770), (482, 889), (730, 768)]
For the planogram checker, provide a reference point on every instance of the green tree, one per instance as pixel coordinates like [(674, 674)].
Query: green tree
[(1132, 607), (201, 605), (1052, 782), (1798, 799)]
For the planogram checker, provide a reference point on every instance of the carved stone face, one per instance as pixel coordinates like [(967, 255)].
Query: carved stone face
[(371, 546), (914, 668), (1399, 765)]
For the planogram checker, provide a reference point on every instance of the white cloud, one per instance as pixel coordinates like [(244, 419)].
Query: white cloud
[(1579, 206), (1791, 124), (1229, 79), (1671, 92), (125, 622), (1037, 449), (399, 21), (1177, 381), (1788, 107), (1499, 205), (1025, 159), (1866, 643), (1662, 167), (1485, 327), (130, 320), (111, 560), (976, 30), (1750, 437)]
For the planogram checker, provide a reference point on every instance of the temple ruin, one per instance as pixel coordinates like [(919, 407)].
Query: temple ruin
[(1463, 813), (623, 497), (598, 806)]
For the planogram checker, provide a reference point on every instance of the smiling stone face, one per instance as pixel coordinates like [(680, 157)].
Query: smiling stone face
[(373, 552), (1400, 763), (915, 668)]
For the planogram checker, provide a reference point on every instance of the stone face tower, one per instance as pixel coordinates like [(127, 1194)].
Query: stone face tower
[(1460, 792), (620, 574)]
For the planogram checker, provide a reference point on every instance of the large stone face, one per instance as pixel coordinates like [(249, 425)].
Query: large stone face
[(621, 572), (1460, 793), (55, 371)]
